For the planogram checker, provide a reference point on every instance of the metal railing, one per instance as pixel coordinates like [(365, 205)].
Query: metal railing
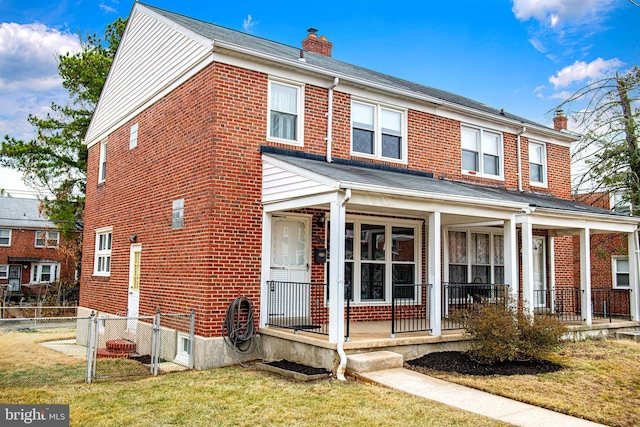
[(566, 303), (458, 297), (410, 308), (299, 306)]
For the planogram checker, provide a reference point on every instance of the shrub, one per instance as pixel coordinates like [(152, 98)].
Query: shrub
[(505, 332)]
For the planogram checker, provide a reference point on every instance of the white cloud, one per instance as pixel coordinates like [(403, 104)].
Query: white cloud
[(580, 71), (29, 56), (551, 12), (107, 8), (249, 23), (564, 95)]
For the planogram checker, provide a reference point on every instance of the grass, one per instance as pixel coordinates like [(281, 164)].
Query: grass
[(226, 396), (600, 382)]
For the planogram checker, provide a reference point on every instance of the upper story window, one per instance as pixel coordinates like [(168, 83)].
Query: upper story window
[(537, 163), (5, 237), (47, 239), (378, 132), (177, 214), (102, 260), (482, 152), (133, 137), (285, 113), (617, 203), (620, 270), (102, 169)]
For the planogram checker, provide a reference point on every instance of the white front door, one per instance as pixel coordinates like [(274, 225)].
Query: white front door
[(539, 273), (290, 267), (134, 287)]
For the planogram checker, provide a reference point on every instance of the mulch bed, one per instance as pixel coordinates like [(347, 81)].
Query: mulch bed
[(455, 361), (297, 367)]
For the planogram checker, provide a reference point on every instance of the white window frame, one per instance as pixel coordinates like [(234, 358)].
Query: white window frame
[(5, 233), (543, 165), (389, 224), (4, 271), (133, 136), (102, 257), (617, 204), (183, 357), (36, 272), (377, 130), (102, 167), (47, 239), (614, 271), (468, 260), (177, 214), (299, 139), (480, 151)]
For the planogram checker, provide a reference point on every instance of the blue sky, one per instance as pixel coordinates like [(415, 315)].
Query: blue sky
[(525, 56)]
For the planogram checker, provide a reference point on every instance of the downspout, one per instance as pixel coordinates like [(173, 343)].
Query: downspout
[(329, 137), (343, 356), (524, 129)]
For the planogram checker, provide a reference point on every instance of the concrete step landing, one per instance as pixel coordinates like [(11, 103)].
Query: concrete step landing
[(628, 335), (373, 361)]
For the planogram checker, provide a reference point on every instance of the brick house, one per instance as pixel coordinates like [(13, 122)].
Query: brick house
[(224, 165), (30, 248)]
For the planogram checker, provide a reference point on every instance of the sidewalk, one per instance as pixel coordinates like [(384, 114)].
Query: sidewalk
[(468, 399)]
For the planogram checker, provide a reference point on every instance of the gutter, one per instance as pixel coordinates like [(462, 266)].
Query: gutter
[(329, 137), (342, 367)]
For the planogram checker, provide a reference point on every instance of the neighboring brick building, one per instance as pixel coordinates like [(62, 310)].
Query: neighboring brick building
[(219, 162), (30, 247)]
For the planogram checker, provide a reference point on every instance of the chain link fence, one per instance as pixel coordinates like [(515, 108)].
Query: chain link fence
[(41, 350)]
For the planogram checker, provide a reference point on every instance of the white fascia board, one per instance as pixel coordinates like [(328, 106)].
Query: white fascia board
[(301, 202), (556, 218)]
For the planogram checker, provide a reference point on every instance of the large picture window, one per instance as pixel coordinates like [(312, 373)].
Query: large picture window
[(377, 132), (475, 257), (45, 272), (385, 253), (481, 152), (285, 112)]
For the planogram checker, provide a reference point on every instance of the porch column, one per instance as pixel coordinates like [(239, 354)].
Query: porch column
[(552, 271), (634, 252), (511, 277), (266, 264), (527, 265), (336, 271), (435, 273), (585, 275)]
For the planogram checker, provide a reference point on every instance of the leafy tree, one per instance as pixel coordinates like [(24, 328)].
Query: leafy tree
[(56, 159), (606, 113)]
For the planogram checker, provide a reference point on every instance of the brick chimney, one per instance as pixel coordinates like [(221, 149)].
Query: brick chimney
[(560, 121), (318, 45)]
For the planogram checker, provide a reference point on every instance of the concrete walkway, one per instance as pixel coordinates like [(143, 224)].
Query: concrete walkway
[(471, 400)]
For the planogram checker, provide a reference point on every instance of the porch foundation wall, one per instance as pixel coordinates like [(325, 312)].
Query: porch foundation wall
[(599, 331), (276, 348)]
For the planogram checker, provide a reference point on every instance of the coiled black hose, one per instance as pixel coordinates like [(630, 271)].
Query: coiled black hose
[(238, 327)]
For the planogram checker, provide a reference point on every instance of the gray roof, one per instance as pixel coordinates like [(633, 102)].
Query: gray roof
[(22, 213), (216, 32), (348, 173)]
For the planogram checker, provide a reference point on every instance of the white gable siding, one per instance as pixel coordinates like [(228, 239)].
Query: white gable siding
[(279, 184), (152, 57)]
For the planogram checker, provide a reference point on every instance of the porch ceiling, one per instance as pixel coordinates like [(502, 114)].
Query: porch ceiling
[(293, 175)]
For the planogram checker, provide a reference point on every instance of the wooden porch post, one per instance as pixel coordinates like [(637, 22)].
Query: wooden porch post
[(435, 273), (585, 275), (511, 277), (527, 265), (336, 271), (634, 304)]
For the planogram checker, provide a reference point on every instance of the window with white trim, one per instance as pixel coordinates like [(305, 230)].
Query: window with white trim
[(619, 204), (102, 261), (183, 353), (102, 168), (44, 272), (177, 214), (482, 152), (4, 271), (285, 113), (133, 136), (386, 253), (5, 237), (620, 270), (537, 163), (47, 239), (378, 132), (475, 256)]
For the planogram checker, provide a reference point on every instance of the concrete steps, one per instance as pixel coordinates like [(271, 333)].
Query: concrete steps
[(373, 361), (117, 348)]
